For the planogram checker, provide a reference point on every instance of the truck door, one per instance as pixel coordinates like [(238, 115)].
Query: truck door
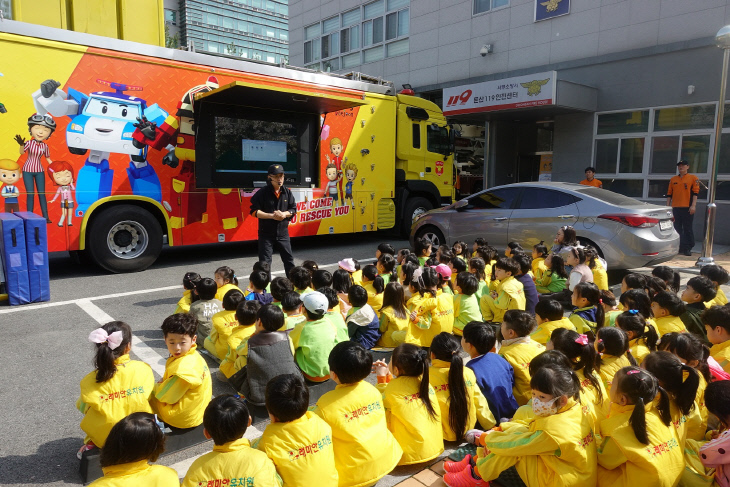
[(438, 164), (538, 215)]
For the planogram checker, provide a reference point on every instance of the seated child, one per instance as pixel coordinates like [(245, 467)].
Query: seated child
[(670, 276), (612, 345), (291, 305), (461, 401), (698, 291), (494, 375), (666, 307), (264, 267), (717, 324), (374, 285), (100, 401), (655, 285), (477, 267), (411, 407), (588, 315), (518, 349), (643, 338), (246, 313), (133, 442), (279, 287), (600, 277), (636, 429), (225, 420), (205, 307), (509, 294), (226, 280), (267, 353), (549, 316), (386, 268), (334, 315), (435, 311), (393, 316), (384, 248), (422, 247), (341, 284), (298, 441), (302, 280), (363, 325), (713, 454), (456, 266), (719, 276), (640, 301), (539, 253), (444, 279), (633, 280), (559, 425), (466, 305), (314, 338), (311, 266), (512, 249), (610, 308), (223, 324), (186, 388), (478, 242), (257, 283), (528, 285), (189, 281), (365, 450), (554, 279), (321, 278), (460, 250)]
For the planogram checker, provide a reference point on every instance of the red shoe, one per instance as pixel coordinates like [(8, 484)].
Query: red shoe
[(456, 467), (465, 478)]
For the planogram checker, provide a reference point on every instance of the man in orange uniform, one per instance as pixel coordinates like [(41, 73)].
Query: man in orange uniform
[(590, 179), (682, 195)]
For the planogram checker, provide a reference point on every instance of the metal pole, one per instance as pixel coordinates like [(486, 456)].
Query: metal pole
[(706, 258)]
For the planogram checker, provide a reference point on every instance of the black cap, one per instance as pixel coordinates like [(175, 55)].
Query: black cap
[(683, 161), (276, 169)]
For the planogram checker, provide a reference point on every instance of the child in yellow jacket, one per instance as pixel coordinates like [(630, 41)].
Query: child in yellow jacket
[(478, 268), (226, 420), (717, 325), (466, 304), (185, 389), (226, 280), (118, 387), (133, 442), (393, 316), (435, 310), (461, 401), (612, 345), (557, 448), (298, 441), (643, 338), (639, 445), (365, 450), (539, 254), (224, 323), (667, 309), (549, 317), (509, 293), (411, 407), (245, 320), (190, 279), (519, 349), (719, 276), (291, 305), (374, 285)]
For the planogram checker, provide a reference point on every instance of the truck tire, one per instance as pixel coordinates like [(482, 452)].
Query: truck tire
[(433, 234), (413, 208), (124, 238)]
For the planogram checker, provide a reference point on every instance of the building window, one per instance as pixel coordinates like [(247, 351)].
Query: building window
[(171, 16), (481, 6)]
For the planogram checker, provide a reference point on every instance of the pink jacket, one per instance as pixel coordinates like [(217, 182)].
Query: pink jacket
[(716, 454)]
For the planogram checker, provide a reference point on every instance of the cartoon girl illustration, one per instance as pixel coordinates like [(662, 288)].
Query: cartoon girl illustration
[(40, 127), (62, 175), (350, 175)]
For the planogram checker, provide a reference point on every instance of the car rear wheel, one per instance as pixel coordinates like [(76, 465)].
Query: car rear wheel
[(433, 234), (414, 208), (587, 242)]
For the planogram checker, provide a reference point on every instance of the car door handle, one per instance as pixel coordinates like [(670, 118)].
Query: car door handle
[(500, 219), (564, 217)]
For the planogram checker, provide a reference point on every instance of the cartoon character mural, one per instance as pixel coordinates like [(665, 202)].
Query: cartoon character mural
[(62, 175), (334, 178), (350, 171), (102, 123), (40, 127), (336, 148), (9, 175), (191, 201)]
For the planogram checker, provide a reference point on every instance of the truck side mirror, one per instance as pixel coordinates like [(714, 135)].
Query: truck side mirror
[(452, 140)]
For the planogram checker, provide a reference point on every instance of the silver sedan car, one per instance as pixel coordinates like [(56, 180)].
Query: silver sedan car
[(627, 232)]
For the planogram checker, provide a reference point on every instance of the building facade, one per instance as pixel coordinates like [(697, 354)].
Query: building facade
[(252, 29), (630, 86)]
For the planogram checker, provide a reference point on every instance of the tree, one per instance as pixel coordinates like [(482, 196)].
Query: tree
[(171, 42), (232, 49)]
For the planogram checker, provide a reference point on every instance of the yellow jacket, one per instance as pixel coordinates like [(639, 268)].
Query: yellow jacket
[(639, 349), (239, 334), (719, 300), (302, 451), (556, 451), (510, 295), (224, 289), (375, 299), (357, 277), (419, 435), (697, 422), (519, 353), (388, 324), (233, 463), (623, 461), (609, 366), (721, 353), (538, 267), (105, 404), (139, 474), (183, 306), (365, 450), (223, 324), (668, 324), (589, 397), (434, 316), (544, 331), (185, 390), (600, 277), (438, 377)]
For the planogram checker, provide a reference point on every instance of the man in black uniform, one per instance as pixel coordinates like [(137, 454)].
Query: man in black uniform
[(274, 206)]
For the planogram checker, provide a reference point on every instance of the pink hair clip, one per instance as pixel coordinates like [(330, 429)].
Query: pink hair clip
[(632, 372), (582, 340)]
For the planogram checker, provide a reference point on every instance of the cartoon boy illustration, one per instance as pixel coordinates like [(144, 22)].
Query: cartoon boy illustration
[(336, 149), (40, 127), (350, 175), (334, 177), (62, 175), (9, 175)]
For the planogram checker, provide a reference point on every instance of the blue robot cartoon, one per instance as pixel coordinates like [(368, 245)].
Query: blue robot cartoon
[(102, 123)]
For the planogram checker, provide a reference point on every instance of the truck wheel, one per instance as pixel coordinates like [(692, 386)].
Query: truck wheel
[(414, 207), (433, 234), (124, 238)]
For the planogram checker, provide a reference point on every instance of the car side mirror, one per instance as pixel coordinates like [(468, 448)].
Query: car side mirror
[(461, 205)]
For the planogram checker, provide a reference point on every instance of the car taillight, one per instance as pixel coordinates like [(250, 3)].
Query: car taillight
[(636, 221)]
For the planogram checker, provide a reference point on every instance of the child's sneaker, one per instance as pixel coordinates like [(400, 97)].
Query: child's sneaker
[(465, 478), (456, 467), (89, 446)]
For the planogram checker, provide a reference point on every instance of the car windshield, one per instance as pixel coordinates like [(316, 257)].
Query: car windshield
[(608, 196)]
